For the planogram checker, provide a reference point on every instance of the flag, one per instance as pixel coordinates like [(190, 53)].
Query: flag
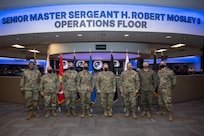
[(126, 61), (48, 61), (113, 70), (90, 69), (60, 95), (140, 61), (155, 61), (74, 63)]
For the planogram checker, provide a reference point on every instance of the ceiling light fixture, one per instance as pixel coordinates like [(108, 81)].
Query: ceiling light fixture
[(168, 37), (126, 35), (79, 35), (161, 50), (18, 46), (178, 45), (34, 51)]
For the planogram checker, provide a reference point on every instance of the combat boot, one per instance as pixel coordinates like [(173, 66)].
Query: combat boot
[(29, 115), (47, 114), (144, 113), (73, 113), (54, 114), (35, 113), (83, 113), (170, 116), (89, 113), (148, 115), (134, 116), (105, 113), (110, 113), (68, 113), (161, 112), (127, 114)]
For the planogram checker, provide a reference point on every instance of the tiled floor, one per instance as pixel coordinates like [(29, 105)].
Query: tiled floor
[(189, 121)]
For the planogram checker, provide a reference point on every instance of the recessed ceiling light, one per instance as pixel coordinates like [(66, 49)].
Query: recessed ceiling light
[(34, 51), (161, 50), (126, 35), (18, 46), (178, 45), (168, 37), (79, 35)]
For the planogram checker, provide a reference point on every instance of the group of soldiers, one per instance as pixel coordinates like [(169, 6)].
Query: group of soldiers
[(130, 84)]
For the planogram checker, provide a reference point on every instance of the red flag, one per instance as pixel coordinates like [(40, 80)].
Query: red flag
[(60, 95)]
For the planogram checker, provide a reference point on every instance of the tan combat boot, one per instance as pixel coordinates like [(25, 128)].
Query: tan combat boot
[(148, 115), (29, 115), (54, 114), (127, 114), (47, 114), (83, 113), (89, 113), (68, 113), (35, 113), (105, 113), (161, 112), (73, 113), (143, 114), (171, 118), (134, 116), (110, 113)]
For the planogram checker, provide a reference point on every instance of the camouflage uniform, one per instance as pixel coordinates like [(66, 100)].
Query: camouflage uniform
[(167, 81), (69, 86), (85, 86), (49, 85), (129, 83), (30, 84), (148, 84), (106, 83)]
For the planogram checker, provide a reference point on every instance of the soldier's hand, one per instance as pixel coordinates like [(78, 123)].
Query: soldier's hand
[(121, 91), (136, 91), (114, 90), (42, 93), (98, 91)]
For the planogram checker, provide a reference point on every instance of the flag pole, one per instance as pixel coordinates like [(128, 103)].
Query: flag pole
[(34, 57)]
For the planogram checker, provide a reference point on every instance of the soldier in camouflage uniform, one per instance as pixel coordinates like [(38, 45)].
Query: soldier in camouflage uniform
[(148, 84), (129, 86), (85, 87), (29, 85), (69, 86), (167, 82), (106, 86), (49, 87)]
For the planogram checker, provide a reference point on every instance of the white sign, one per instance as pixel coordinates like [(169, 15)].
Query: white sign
[(101, 17)]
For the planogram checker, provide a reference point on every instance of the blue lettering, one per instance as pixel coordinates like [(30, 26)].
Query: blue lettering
[(71, 14), (33, 17)]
